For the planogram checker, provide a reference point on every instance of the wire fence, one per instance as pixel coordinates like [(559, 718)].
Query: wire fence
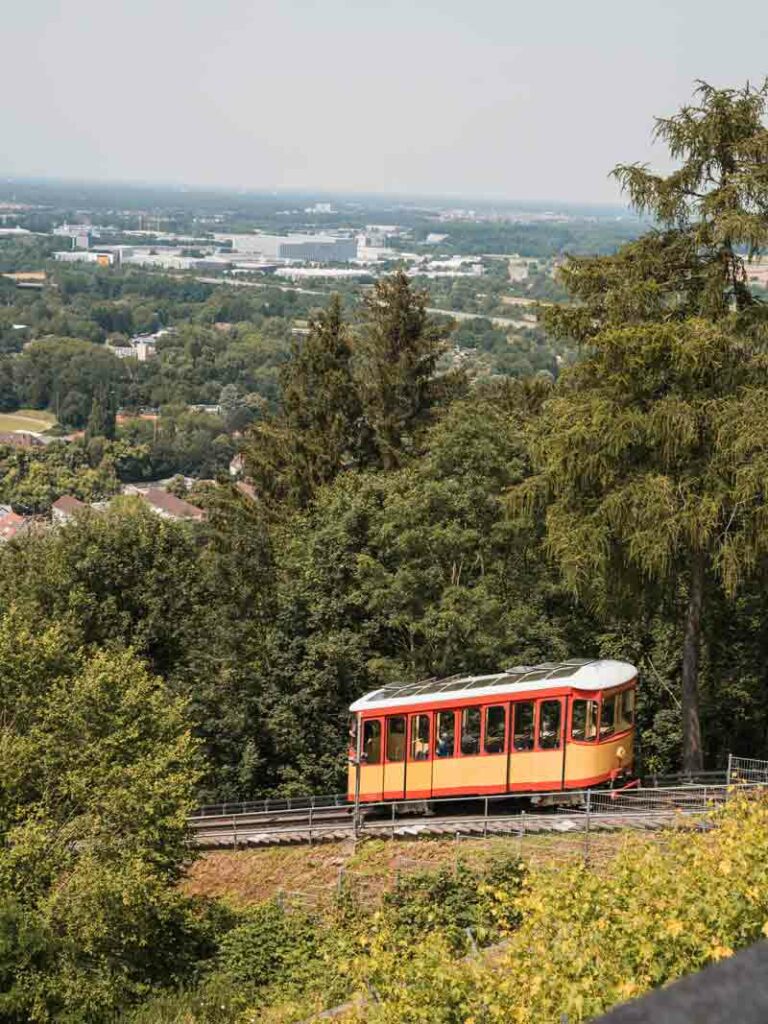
[(747, 770), (560, 813), (580, 841)]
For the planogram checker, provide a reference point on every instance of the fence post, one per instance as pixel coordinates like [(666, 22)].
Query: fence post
[(394, 805), (586, 829), (485, 819), (310, 824), (522, 832), (729, 774), (234, 830)]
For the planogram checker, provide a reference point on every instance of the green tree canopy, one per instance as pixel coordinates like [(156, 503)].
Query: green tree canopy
[(317, 430), (97, 772), (643, 455), (397, 349)]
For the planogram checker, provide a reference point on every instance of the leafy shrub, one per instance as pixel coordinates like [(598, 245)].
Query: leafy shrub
[(589, 939), (267, 945), (454, 901)]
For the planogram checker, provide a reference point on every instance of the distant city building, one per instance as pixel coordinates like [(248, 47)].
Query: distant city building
[(103, 259), (164, 260), (140, 347), (297, 273), (319, 208), (81, 234), (307, 248)]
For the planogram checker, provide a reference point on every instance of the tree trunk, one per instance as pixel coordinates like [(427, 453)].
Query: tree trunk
[(692, 753)]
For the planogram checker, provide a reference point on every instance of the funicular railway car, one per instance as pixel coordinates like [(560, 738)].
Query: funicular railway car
[(527, 730)]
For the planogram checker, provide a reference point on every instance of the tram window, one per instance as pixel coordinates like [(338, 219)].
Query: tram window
[(550, 722), (372, 741), (495, 729), (470, 731), (396, 738), (626, 710), (419, 737), (608, 717), (523, 739), (446, 734), (584, 720)]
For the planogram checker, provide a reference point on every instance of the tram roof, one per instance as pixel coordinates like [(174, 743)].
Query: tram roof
[(581, 673)]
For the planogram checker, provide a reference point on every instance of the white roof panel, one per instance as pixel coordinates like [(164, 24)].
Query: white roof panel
[(580, 673)]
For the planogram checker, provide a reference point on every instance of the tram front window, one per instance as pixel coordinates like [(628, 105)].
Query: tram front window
[(608, 717), (584, 721), (446, 734), (372, 741)]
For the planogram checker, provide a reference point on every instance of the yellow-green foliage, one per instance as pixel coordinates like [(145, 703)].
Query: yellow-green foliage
[(590, 939)]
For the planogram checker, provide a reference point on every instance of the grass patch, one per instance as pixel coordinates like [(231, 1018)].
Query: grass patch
[(35, 420), (250, 876)]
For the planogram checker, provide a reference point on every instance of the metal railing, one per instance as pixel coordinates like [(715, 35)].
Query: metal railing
[(585, 811), (270, 804), (747, 770)]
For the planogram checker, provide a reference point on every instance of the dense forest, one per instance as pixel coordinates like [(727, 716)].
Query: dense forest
[(406, 519)]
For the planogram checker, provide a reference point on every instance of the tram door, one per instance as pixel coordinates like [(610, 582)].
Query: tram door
[(394, 758), (418, 780), (371, 767), (522, 756)]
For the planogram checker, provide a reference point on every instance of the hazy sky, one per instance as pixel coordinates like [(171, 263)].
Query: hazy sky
[(513, 98)]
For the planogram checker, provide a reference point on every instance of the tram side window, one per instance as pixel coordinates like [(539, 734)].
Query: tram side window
[(495, 729), (470, 731), (608, 717), (396, 738), (446, 734), (523, 735), (626, 710), (550, 724), (372, 741), (419, 737), (584, 721)]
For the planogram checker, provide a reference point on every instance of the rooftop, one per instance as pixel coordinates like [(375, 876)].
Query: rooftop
[(66, 503), (583, 673), (10, 524), (164, 501)]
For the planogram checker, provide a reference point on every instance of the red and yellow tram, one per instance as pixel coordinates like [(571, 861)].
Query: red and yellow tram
[(531, 729)]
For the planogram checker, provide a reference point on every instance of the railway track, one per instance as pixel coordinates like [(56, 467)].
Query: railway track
[(595, 811)]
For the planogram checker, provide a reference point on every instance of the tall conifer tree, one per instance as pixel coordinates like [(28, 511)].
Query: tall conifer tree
[(398, 348), (318, 428), (649, 467)]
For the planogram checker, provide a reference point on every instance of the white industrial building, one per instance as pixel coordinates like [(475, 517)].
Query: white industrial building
[(306, 248), (103, 259)]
